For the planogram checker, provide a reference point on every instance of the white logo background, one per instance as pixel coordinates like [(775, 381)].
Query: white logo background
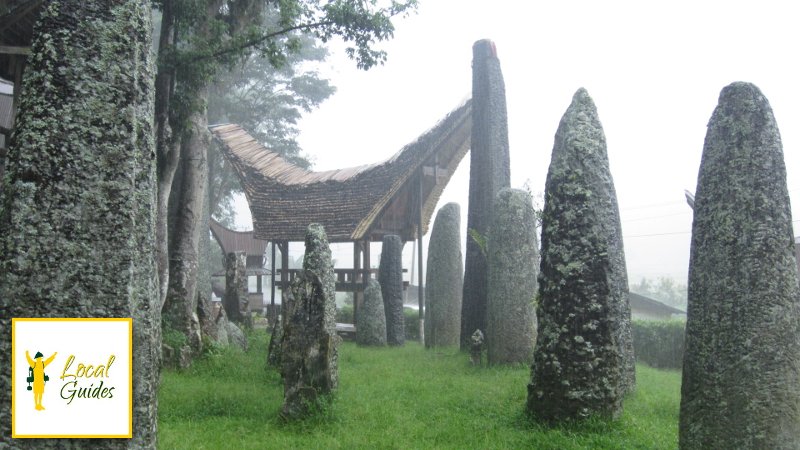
[(91, 342)]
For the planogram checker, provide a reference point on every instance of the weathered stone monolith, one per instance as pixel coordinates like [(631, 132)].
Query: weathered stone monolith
[(235, 301), (513, 254), (371, 319), (309, 350), (77, 210), (274, 348), (741, 369), (583, 363), (390, 276), (444, 279), (489, 172)]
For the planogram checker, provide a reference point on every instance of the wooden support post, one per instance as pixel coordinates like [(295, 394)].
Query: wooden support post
[(284, 248), (367, 265), (272, 276), (421, 267), (357, 296)]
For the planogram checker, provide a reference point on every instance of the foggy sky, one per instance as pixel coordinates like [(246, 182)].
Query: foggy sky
[(654, 71)]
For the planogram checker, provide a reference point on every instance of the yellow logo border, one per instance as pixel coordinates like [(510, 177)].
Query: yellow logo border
[(14, 321)]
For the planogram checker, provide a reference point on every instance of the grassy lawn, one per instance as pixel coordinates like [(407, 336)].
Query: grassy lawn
[(395, 398)]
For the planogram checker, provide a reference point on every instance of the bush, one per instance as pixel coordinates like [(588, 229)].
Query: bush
[(411, 324), (345, 314), (659, 343)]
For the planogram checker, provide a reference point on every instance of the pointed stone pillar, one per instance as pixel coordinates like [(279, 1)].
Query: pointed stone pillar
[(513, 254), (390, 276), (444, 279), (309, 348), (584, 362), (235, 301), (489, 172), (741, 387), (77, 221)]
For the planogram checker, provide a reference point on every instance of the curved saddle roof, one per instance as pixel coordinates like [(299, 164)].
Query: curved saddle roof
[(237, 241), (363, 202)]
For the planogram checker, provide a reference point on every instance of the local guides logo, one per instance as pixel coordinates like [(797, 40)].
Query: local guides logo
[(82, 389)]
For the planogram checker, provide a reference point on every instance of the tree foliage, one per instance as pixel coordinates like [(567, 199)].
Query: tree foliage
[(199, 40), (268, 102)]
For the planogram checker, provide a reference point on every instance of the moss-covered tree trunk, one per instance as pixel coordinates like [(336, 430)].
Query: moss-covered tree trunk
[(489, 172), (583, 363), (513, 254), (180, 309), (741, 369), (167, 146), (444, 279), (78, 216)]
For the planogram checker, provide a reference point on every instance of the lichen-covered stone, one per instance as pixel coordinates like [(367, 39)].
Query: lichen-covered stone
[(236, 337), (476, 347), (444, 279), (583, 363), (371, 319), (513, 254), (274, 349), (235, 301), (77, 209), (489, 172), (741, 387), (309, 350), (390, 276)]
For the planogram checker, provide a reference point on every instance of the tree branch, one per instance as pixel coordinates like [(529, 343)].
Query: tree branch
[(261, 39)]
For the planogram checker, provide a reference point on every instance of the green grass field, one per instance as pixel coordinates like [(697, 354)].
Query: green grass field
[(403, 398)]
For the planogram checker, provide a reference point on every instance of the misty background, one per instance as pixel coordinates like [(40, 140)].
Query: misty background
[(654, 70)]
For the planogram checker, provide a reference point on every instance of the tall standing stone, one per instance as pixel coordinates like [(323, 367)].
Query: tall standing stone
[(741, 369), (489, 172), (513, 253), (235, 301), (77, 212), (583, 363), (390, 276), (309, 349), (371, 318), (444, 279)]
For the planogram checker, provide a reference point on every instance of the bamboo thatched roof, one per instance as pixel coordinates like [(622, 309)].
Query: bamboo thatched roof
[(364, 202)]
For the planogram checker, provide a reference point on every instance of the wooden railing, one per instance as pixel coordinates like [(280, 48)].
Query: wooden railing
[(345, 278)]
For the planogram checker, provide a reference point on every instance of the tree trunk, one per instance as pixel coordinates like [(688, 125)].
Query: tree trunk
[(167, 147), (77, 217), (190, 194)]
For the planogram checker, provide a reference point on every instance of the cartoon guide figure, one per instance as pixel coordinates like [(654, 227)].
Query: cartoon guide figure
[(37, 376)]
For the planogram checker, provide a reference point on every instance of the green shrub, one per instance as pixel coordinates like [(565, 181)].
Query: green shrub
[(412, 324), (345, 314), (173, 338), (659, 343)]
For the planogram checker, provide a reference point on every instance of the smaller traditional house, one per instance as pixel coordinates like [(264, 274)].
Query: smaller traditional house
[(232, 241)]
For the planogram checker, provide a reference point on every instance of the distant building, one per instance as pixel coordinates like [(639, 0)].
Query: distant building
[(645, 308), (243, 241)]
